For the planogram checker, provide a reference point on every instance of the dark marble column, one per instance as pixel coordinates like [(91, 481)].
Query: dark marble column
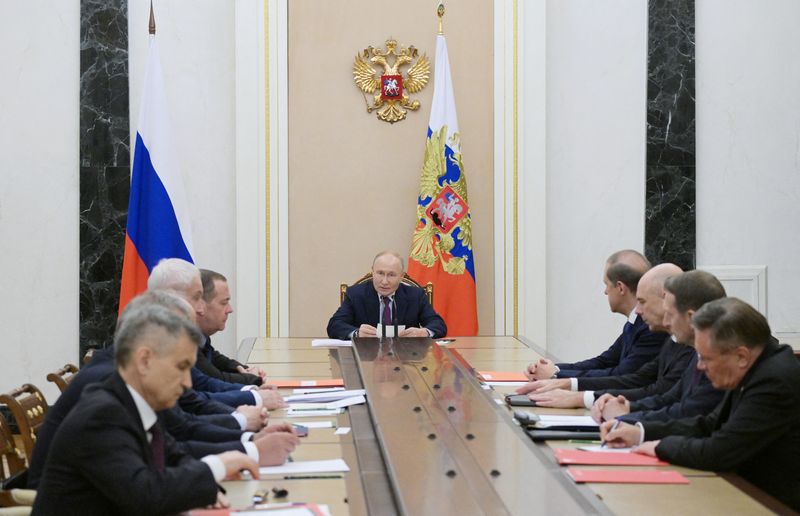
[(105, 165), (670, 191)]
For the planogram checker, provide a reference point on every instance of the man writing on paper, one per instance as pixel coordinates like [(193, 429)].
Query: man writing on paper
[(755, 430), (111, 454), (371, 303)]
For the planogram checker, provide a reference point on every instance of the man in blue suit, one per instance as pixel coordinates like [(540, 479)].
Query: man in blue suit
[(385, 301), (636, 345)]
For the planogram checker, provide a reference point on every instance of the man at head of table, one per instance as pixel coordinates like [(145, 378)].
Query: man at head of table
[(385, 298)]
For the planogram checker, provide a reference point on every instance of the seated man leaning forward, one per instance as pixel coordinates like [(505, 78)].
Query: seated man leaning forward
[(367, 304), (635, 346), (755, 430), (111, 455)]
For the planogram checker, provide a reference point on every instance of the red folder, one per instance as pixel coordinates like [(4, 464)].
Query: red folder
[(503, 376), (627, 476), (309, 384), (570, 456)]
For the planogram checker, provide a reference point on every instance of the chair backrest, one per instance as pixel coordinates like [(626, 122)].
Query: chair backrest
[(28, 406), (63, 376), (408, 280), (12, 460)]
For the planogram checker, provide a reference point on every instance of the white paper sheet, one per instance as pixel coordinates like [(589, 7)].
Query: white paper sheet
[(548, 420), (325, 396), (331, 343), (342, 430), (319, 389), (389, 329), (599, 448), (314, 413), (306, 466), (317, 424)]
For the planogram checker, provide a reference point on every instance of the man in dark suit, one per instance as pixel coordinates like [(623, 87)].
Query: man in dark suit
[(111, 455), (636, 345), (183, 278), (368, 304), (693, 394), (217, 297), (755, 431), (655, 377)]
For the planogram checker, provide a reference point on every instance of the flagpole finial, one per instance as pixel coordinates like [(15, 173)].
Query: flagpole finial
[(440, 14), (152, 20)]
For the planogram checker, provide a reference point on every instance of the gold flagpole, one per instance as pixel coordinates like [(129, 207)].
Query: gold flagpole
[(440, 14)]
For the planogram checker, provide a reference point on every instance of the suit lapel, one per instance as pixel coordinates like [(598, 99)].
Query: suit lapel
[(401, 302), (371, 305), (117, 386)]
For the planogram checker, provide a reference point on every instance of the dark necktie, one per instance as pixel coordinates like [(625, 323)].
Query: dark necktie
[(627, 329), (387, 311), (157, 447)]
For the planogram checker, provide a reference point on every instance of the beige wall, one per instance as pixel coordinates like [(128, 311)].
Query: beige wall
[(353, 179)]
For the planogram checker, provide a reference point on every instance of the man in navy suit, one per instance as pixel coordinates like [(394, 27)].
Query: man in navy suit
[(111, 454), (387, 301), (636, 345)]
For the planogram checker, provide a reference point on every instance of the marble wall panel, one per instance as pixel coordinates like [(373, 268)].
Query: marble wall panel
[(670, 214), (105, 165)]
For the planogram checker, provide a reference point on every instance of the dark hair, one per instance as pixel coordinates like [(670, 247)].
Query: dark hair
[(693, 289), (139, 323), (620, 269), (208, 278), (732, 323)]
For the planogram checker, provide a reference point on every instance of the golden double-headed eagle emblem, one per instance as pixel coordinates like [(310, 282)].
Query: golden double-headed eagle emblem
[(391, 88)]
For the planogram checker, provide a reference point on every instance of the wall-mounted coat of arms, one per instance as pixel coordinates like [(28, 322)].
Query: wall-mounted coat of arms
[(391, 88)]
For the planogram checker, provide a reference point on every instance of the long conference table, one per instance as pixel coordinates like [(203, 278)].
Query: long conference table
[(433, 439)]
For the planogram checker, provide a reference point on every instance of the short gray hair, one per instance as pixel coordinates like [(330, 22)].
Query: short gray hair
[(391, 253), (169, 299), (147, 325), (172, 274)]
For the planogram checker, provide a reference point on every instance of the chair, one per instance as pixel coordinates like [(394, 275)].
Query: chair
[(408, 280), (63, 376), (28, 406), (12, 472)]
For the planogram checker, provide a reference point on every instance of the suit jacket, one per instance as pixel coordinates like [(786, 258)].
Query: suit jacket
[(693, 395), (754, 432), (101, 463), (655, 377), (362, 306), (629, 352), (217, 390), (195, 430), (215, 364)]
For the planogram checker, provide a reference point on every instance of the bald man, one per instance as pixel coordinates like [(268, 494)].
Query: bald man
[(655, 377), (636, 345), (367, 304)]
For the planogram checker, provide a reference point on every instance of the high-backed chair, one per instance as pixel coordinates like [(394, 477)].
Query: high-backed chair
[(12, 471), (28, 406), (63, 376), (408, 280)]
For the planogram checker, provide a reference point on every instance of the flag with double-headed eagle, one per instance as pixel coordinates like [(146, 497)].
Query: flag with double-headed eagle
[(441, 249)]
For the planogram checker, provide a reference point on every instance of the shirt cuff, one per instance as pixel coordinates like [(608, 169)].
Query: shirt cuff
[(257, 398), (588, 399), (353, 334), (216, 466), (239, 417), (249, 388), (247, 437), (430, 333), (641, 432), (251, 450), (573, 384)]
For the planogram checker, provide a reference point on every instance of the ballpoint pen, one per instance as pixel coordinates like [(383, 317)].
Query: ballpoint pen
[(613, 427)]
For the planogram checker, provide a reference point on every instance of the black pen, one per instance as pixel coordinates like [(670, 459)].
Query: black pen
[(613, 427)]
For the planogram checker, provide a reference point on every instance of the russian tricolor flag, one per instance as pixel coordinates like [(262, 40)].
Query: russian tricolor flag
[(158, 218)]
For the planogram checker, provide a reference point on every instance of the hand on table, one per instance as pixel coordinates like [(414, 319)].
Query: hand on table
[(538, 386), (558, 398)]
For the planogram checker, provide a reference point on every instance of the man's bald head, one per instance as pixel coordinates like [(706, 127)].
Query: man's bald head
[(650, 294)]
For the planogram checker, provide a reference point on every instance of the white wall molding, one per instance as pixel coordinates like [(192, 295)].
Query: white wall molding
[(747, 282)]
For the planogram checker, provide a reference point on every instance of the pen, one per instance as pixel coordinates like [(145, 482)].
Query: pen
[(613, 427), (303, 477)]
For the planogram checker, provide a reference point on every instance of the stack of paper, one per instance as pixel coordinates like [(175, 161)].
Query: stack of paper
[(331, 343), (306, 466), (569, 456), (627, 476), (285, 384), (556, 422), (326, 403)]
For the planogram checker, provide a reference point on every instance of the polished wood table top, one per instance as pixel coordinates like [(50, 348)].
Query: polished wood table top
[(473, 439)]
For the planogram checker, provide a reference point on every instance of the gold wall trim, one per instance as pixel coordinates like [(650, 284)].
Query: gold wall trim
[(267, 200)]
